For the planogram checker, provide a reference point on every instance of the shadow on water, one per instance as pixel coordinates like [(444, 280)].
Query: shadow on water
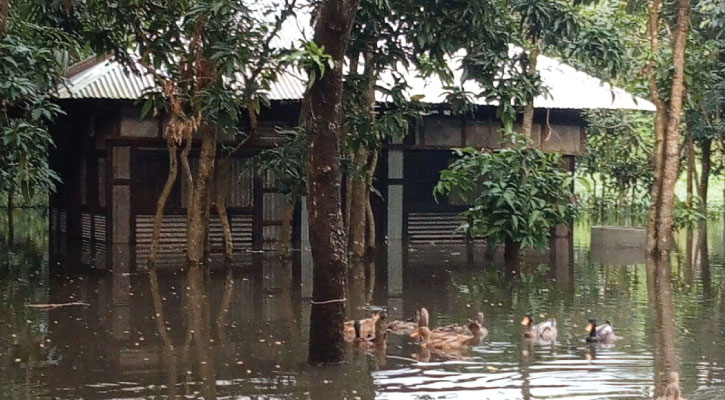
[(242, 330)]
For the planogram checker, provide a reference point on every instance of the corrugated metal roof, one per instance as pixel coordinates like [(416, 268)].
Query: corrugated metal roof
[(567, 87)]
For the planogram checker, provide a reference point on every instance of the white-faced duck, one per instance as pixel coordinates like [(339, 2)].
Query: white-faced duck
[(543, 331), (600, 333)]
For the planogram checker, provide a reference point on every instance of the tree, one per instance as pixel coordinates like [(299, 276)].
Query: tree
[(327, 236), (285, 165), (518, 195), (210, 60), (667, 125), (704, 101), (619, 151), (31, 65)]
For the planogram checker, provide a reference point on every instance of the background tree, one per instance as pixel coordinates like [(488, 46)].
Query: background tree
[(284, 164), (209, 60), (617, 163), (33, 57), (519, 194)]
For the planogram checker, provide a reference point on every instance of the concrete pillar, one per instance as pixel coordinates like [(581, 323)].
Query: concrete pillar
[(395, 195), (120, 203), (395, 267)]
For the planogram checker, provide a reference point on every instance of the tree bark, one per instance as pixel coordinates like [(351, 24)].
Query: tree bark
[(358, 212), (527, 123), (223, 183), (360, 194), (371, 234), (327, 234), (690, 168), (198, 209), (4, 8), (163, 198), (705, 174), (660, 223), (11, 221)]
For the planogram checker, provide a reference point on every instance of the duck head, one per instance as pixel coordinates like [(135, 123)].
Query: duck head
[(475, 328), (592, 327), (381, 327), (422, 334), (527, 321)]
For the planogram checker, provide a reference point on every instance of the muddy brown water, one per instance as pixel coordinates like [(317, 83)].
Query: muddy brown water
[(242, 333)]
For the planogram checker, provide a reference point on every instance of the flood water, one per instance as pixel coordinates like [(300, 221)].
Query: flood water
[(242, 333)]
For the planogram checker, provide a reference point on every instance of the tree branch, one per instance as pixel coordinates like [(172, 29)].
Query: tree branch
[(4, 7)]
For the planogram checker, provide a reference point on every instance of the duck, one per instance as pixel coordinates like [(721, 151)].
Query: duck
[(543, 331), (444, 342), (421, 318), (600, 333), (475, 327), (367, 327), (376, 341)]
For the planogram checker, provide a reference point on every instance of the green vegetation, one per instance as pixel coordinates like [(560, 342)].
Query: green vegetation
[(518, 194)]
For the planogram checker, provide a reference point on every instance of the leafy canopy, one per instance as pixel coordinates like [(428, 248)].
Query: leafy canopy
[(32, 56)]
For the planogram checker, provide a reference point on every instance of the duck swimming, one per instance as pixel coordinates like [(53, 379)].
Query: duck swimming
[(451, 341), (474, 327), (367, 327), (378, 340), (421, 318), (600, 333), (543, 331)]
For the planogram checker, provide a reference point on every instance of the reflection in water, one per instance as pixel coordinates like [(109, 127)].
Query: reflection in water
[(242, 331), (659, 272)]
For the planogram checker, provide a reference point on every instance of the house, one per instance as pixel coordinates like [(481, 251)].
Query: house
[(113, 163)]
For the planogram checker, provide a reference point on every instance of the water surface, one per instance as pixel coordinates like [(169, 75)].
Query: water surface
[(242, 333)]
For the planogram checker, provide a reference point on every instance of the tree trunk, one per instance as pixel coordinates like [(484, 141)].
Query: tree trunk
[(371, 235), (705, 174), (660, 224), (511, 250), (327, 234), (163, 198), (4, 7), (11, 221), (690, 168), (198, 209), (527, 124), (348, 202), (358, 211), (223, 183), (360, 196), (285, 241)]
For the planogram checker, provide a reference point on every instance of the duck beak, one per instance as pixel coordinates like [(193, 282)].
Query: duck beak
[(525, 321), (415, 334), (589, 327)]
